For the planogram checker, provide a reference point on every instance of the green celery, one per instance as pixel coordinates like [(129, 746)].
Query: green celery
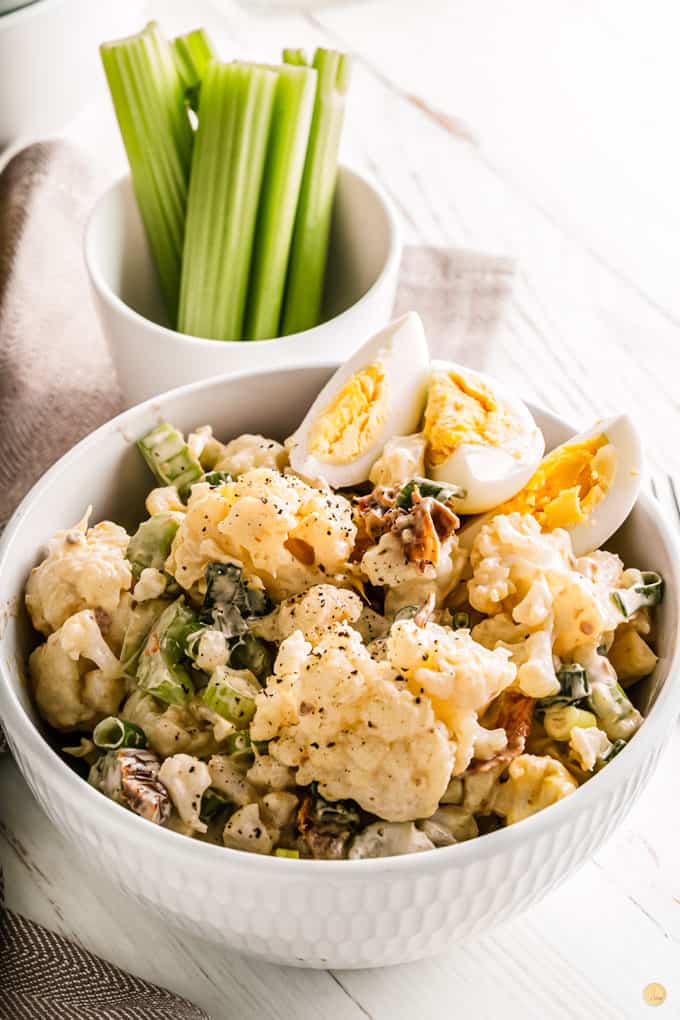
[(231, 143), (309, 251), (192, 52), (291, 122), (148, 98)]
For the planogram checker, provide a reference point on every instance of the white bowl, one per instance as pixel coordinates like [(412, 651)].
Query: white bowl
[(364, 257), (305, 912), (49, 61)]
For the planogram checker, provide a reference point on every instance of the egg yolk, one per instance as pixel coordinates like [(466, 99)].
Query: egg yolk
[(461, 411), (568, 484), (351, 423)]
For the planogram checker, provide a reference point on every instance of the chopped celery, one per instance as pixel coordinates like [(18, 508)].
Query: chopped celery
[(238, 746), (142, 619), (286, 150), (560, 720), (150, 544), (228, 163), (213, 803), (460, 621), (574, 686), (148, 98), (282, 852), (112, 733), (161, 671), (169, 458), (232, 695), (617, 715), (192, 52), (309, 251)]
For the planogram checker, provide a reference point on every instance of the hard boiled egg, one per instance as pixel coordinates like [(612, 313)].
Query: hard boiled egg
[(379, 393), (587, 486), (479, 437)]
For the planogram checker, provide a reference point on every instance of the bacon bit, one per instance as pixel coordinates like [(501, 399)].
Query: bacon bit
[(142, 790), (301, 550), (513, 712), (422, 529)]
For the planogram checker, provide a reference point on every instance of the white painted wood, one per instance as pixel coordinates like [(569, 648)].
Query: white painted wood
[(546, 131)]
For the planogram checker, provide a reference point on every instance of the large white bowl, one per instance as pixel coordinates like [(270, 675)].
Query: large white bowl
[(364, 257), (312, 913)]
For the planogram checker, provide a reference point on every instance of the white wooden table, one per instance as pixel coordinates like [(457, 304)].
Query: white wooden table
[(547, 131)]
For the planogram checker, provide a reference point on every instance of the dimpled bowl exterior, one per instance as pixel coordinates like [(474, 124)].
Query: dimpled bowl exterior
[(305, 913)]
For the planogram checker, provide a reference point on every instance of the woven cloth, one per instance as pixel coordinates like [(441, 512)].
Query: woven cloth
[(56, 385)]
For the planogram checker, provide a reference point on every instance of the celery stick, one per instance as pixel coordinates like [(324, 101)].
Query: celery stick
[(291, 122), (231, 143), (309, 252), (296, 57), (192, 52), (148, 98)]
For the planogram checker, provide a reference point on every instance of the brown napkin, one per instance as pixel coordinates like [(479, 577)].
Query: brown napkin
[(56, 385)]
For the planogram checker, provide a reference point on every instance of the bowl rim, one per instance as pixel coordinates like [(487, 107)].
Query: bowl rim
[(30, 8), (106, 293), (135, 829)]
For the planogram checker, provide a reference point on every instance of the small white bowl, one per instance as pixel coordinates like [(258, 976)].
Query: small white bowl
[(364, 257), (363, 913), (49, 62)]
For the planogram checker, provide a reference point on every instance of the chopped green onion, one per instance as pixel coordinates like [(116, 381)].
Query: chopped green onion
[(574, 686), (169, 458), (216, 478), (112, 733), (192, 52), (213, 802), (150, 544), (148, 98), (238, 746), (281, 852), (231, 695), (615, 749), (441, 491), (617, 715), (648, 593), (261, 746), (226, 175), (226, 589), (460, 621), (291, 121), (253, 653), (309, 251), (161, 671)]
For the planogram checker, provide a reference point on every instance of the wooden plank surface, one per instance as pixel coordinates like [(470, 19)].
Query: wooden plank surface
[(544, 131)]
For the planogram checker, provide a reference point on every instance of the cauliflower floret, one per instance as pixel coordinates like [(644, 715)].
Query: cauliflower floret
[(284, 531), (186, 779), (251, 451), (229, 780), (530, 652), (389, 839), (403, 457), (85, 568), (172, 729), (459, 676), (589, 745), (204, 447), (213, 651), (313, 612), (165, 500), (269, 774), (340, 718), (386, 564), (533, 784), (151, 585), (70, 694), (245, 830)]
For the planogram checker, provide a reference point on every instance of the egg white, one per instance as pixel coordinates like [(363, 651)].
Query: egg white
[(401, 348), (491, 474)]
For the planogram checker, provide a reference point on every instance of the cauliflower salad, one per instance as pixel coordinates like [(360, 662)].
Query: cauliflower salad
[(393, 633)]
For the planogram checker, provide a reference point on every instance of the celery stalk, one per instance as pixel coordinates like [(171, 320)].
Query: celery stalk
[(287, 147), (229, 158), (309, 252), (148, 99), (192, 52)]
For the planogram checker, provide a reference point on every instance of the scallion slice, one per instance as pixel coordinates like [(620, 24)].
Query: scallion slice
[(112, 733), (649, 592)]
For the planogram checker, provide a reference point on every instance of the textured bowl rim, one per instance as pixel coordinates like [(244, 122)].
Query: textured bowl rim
[(110, 815), (107, 294)]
